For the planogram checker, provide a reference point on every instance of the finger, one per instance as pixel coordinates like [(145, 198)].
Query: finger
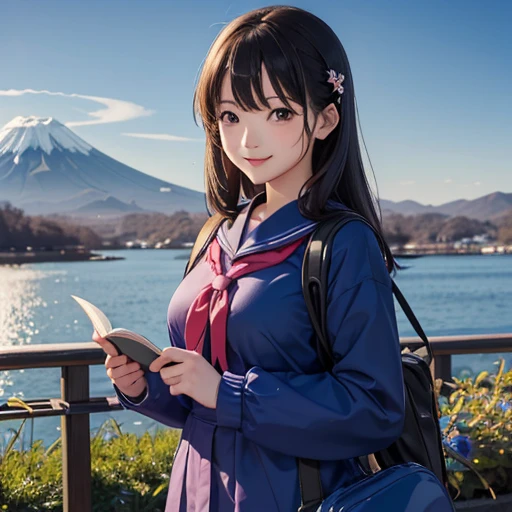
[(107, 346), (125, 369), (131, 378), (98, 339), (172, 381), (175, 390), (173, 371), (116, 373), (155, 365), (121, 371), (170, 354), (115, 361), (96, 336)]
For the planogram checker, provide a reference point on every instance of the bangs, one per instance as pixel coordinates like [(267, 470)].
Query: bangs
[(244, 64)]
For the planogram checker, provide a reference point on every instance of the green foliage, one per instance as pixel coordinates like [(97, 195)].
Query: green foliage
[(128, 473), (480, 410)]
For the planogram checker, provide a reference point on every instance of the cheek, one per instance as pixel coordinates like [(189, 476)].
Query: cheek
[(229, 140), (288, 137)]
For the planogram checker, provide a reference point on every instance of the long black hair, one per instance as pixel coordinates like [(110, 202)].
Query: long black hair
[(298, 49)]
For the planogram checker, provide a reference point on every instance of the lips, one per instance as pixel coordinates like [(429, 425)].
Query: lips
[(257, 161)]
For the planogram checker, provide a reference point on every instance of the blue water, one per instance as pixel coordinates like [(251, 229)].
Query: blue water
[(450, 295)]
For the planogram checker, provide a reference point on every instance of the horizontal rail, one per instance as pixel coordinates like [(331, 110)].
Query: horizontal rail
[(57, 407), (54, 355), (467, 344)]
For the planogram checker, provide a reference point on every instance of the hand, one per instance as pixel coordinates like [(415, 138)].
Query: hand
[(194, 376), (125, 373)]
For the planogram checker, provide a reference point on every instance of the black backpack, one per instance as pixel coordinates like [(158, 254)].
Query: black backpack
[(421, 439)]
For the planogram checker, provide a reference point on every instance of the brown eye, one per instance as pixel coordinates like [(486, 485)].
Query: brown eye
[(221, 117), (287, 114)]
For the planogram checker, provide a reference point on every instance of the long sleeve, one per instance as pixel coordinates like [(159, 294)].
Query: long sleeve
[(159, 404), (359, 408)]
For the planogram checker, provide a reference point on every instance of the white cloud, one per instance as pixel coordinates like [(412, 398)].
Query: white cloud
[(449, 180), (160, 136), (410, 182), (115, 111), (477, 183)]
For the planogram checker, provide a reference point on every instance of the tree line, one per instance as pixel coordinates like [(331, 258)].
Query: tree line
[(19, 230)]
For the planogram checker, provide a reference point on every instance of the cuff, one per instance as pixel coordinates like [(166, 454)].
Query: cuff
[(229, 400), (124, 400)]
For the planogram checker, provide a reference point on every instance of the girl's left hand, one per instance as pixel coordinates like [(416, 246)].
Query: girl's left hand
[(194, 376)]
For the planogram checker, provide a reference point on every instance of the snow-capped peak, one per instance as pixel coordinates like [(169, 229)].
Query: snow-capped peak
[(45, 133)]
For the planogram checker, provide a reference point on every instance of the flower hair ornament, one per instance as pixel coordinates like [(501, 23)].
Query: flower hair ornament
[(336, 80)]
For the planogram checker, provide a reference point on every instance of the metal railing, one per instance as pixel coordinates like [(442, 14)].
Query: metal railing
[(75, 404)]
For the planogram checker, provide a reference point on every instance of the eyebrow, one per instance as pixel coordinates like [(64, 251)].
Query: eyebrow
[(234, 103)]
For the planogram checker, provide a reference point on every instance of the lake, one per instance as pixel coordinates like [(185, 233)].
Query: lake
[(450, 295)]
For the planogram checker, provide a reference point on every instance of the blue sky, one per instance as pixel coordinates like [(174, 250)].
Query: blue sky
[(432, 81)]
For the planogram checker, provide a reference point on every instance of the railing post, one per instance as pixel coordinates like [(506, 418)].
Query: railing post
[(76, 442), (442, 367)]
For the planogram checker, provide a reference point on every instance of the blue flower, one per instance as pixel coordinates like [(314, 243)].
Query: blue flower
[(504, 405), (443, 421), (461, 444)]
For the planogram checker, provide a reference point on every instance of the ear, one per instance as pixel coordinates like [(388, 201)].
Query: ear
[(328, 120)]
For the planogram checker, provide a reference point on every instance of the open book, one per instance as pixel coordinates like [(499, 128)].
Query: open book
[(134, 345)]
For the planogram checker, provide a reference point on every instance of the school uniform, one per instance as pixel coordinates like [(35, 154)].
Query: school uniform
[(275, 402)]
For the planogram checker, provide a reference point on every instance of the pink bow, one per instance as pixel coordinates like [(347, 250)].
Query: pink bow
[(212, 301)]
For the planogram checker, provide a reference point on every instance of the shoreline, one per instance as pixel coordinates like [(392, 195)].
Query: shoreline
[(20, 258)]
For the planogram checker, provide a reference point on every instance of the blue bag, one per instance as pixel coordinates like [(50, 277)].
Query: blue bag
[(408, 487)]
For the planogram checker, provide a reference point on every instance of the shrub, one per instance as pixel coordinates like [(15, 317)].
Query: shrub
[(128, 473), (476, 421)]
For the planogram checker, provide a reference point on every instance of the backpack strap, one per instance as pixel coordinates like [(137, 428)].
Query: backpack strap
[(205, 236), (315, 271)]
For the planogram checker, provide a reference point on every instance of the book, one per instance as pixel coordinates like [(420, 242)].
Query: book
[(134, 345)]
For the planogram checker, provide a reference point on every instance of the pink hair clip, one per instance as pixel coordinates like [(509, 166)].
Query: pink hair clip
[(336, 81)]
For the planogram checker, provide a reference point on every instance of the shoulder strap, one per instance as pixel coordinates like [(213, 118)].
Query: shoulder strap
[(315, 270), (203, 239)]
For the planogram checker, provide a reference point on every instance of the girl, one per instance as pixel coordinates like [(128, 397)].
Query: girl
[(276, 98)]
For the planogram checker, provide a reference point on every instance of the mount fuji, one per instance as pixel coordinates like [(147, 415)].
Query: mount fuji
[(46, 168)]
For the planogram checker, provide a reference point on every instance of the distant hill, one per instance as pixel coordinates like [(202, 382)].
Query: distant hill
[(407, 207), (483, 208), (109, 206)]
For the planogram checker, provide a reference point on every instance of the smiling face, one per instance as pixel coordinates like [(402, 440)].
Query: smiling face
[(275, 132)]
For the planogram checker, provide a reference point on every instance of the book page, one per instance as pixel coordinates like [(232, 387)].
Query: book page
[(100, 322)]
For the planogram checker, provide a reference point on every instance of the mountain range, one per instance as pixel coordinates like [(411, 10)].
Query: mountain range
[(45, 168), (490, 207)]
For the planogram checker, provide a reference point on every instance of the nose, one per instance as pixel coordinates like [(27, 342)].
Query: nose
[(250, 138)]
